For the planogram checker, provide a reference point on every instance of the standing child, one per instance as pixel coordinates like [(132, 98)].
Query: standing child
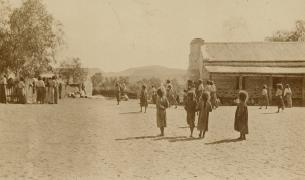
[(143, 98), (264, 99), (204, 107), (279, 97), (288, 96), (162, 105), (118, 93), (241, 115), (190, 107)]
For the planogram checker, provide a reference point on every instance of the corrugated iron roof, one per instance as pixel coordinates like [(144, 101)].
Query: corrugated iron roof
[(255, 70), (255, 51)]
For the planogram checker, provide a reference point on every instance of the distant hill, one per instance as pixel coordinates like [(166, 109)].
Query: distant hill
[(161, 72)]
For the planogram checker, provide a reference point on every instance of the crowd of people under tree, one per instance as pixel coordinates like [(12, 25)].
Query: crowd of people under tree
[(47, 90)]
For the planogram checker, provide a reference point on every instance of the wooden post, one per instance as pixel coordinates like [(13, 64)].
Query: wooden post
[(240, 82), (270, 87), (303, 91)]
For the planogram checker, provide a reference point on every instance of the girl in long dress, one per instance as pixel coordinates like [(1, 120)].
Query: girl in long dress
[(279, 97), (40, 87), (241, 115), (288, 96), (21, 91), (51, 91), (204, 107), (143, 98), (190, 107), (118, 93), (264, 98), (161, 106)]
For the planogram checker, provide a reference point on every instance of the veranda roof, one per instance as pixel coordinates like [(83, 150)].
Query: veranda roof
[(256, 70)]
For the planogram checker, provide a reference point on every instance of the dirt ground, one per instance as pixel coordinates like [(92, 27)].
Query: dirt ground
[(96, 139)]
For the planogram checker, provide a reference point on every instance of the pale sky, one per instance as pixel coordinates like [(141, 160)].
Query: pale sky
[(117, 34)]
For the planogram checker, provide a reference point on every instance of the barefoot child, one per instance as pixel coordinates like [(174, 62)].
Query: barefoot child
[(279, 97), (117, 91), (241, 115), (162, 104), (204, 107), (190, 107), (143, 98)]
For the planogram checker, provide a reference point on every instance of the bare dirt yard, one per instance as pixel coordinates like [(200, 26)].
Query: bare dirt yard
[(96, 139)]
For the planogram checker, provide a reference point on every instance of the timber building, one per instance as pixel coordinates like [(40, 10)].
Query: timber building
[(249, 65)]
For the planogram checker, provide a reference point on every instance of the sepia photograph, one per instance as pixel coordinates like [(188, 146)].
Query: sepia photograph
[(152, 89)]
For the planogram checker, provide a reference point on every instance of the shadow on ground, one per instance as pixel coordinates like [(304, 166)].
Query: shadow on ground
[(135, 138), (224, 141)]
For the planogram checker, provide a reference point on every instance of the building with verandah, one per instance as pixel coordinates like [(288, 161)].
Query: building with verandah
[(249, 65)]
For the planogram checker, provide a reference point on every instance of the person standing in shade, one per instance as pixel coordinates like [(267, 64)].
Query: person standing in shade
[(241, 115), (55, 89), (264, 98), (143, 98), (60, 84), (117, 92), (40, 87), (161, 106), (3, 90), (204, 107), (21, 91), (51, 93), (190, 105), (288, 96), (279, 97)]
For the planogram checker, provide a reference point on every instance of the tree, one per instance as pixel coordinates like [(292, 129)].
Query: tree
[(97, 80), (33, 39), (72, 69), (4, 33), (298, 34)]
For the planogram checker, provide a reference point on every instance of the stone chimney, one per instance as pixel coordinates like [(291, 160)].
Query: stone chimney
[(195, 59)]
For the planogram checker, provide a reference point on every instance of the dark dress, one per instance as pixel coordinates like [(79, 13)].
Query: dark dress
[(279, 99), (143, 98), (190, 107), (203, 120), (118, 93), (162, 104), (241, 118)]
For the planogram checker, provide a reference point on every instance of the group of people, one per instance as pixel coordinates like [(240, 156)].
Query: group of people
[(203, 99), (16, 89), (283, 97), (47, 90), (167, 89), (200, 100)]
